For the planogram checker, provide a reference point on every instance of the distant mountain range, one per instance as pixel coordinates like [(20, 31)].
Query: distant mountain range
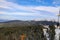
[(2, 20), (19, 22)]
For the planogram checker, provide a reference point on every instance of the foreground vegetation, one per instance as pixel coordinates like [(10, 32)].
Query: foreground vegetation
[(32, 32)]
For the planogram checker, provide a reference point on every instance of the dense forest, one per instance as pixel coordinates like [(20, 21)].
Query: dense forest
[(29, 32)]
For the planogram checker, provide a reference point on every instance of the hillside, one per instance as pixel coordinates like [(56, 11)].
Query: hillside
[(14, 23)]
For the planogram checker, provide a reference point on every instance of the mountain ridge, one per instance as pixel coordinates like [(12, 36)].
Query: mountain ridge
[(32, 22)]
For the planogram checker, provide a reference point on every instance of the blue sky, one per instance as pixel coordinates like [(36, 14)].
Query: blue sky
[(29, 9)]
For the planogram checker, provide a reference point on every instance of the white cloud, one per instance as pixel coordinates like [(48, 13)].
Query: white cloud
[(7, 17), (1, 0), (20, 13), (1, 12), (54, 10), (13, 6)]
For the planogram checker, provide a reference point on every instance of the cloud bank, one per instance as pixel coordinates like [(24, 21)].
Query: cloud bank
[(13, 10)]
